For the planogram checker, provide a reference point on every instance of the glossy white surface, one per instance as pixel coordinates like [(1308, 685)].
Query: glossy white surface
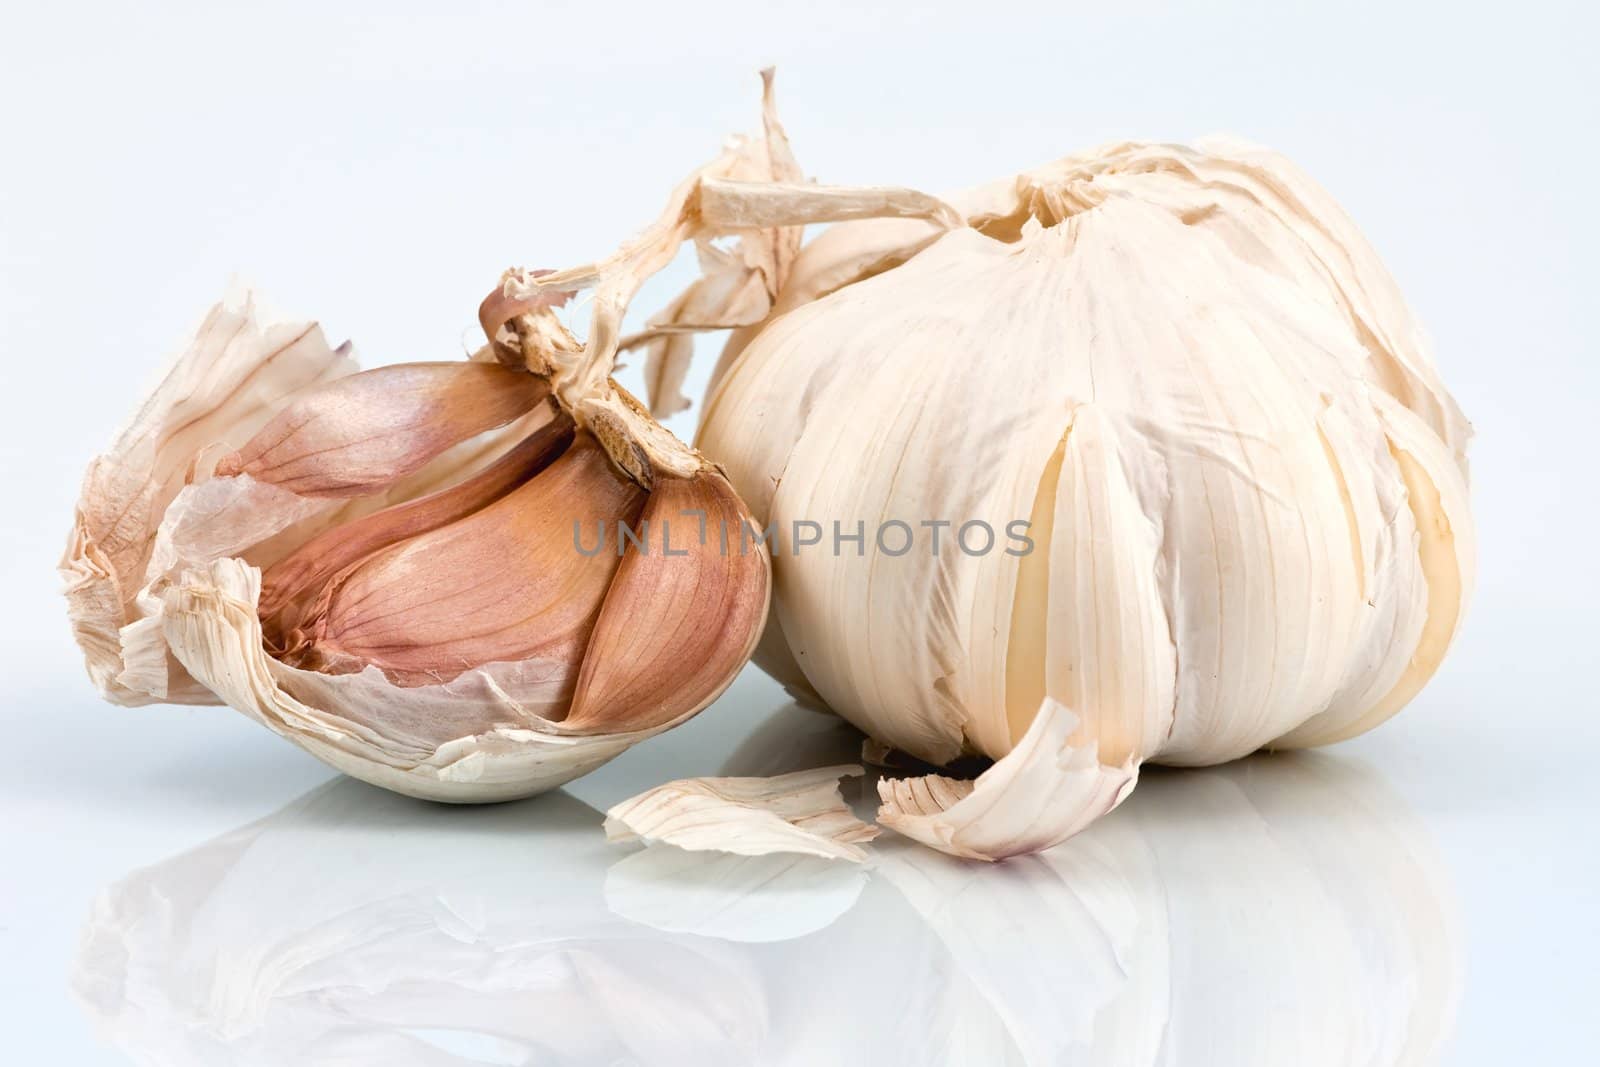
[(225, 902), (179, 886), (1283, 882)]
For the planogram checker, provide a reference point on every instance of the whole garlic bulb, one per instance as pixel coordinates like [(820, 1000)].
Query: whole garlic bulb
[(416, 572), (1186, 368), (1245, 484)]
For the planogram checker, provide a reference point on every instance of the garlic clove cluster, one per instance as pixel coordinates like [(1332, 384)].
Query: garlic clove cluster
[(388, 567), (501, 585), (290, 587)]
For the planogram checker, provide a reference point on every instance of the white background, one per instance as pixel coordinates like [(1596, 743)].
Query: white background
[(376, 166)]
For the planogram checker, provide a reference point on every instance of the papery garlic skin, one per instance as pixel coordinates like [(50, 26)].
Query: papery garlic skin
[(431, 626), (1247, 483), (213, 398), (802, 813)]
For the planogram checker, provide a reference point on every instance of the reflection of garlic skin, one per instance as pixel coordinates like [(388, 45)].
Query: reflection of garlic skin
[(1186, 367), (1280, 910), (382, 565)]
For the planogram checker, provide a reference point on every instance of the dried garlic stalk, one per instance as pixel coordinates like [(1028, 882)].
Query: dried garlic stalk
[(1243, 482), (801, 813)]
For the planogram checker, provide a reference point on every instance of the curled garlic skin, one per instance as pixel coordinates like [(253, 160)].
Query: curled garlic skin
[(382, 566), (802, 813)]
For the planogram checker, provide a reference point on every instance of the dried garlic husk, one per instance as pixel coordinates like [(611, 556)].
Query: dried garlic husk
[(1243, 482), (415, 572), (802, 813)]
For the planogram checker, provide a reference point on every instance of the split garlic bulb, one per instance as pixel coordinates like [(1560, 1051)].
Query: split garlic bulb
[(1187, 375), (416, 572)]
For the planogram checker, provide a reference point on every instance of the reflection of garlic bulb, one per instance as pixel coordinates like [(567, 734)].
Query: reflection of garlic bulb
[(1188, 371), (1162, 935), (1155, 937), (356, 927)]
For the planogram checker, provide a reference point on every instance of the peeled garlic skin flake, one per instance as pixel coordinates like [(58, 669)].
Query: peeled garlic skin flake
[(802, 813), (1185, 366)]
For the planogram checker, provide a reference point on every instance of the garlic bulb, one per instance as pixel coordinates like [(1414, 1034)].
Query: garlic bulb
[(418, 573), (1183, 380)]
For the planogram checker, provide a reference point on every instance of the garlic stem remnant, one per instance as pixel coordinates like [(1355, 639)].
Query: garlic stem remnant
[(1245, 479), (381, 565)]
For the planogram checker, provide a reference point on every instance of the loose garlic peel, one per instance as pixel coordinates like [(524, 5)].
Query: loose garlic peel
[(802, 813), (1246, 480), (380, 566)]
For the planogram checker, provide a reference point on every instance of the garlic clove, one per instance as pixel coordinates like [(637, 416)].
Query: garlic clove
[(681, 616), (1089, 624), (1437, 497), (288, 585), (1441, 554), (360, 433), (504, 584)]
